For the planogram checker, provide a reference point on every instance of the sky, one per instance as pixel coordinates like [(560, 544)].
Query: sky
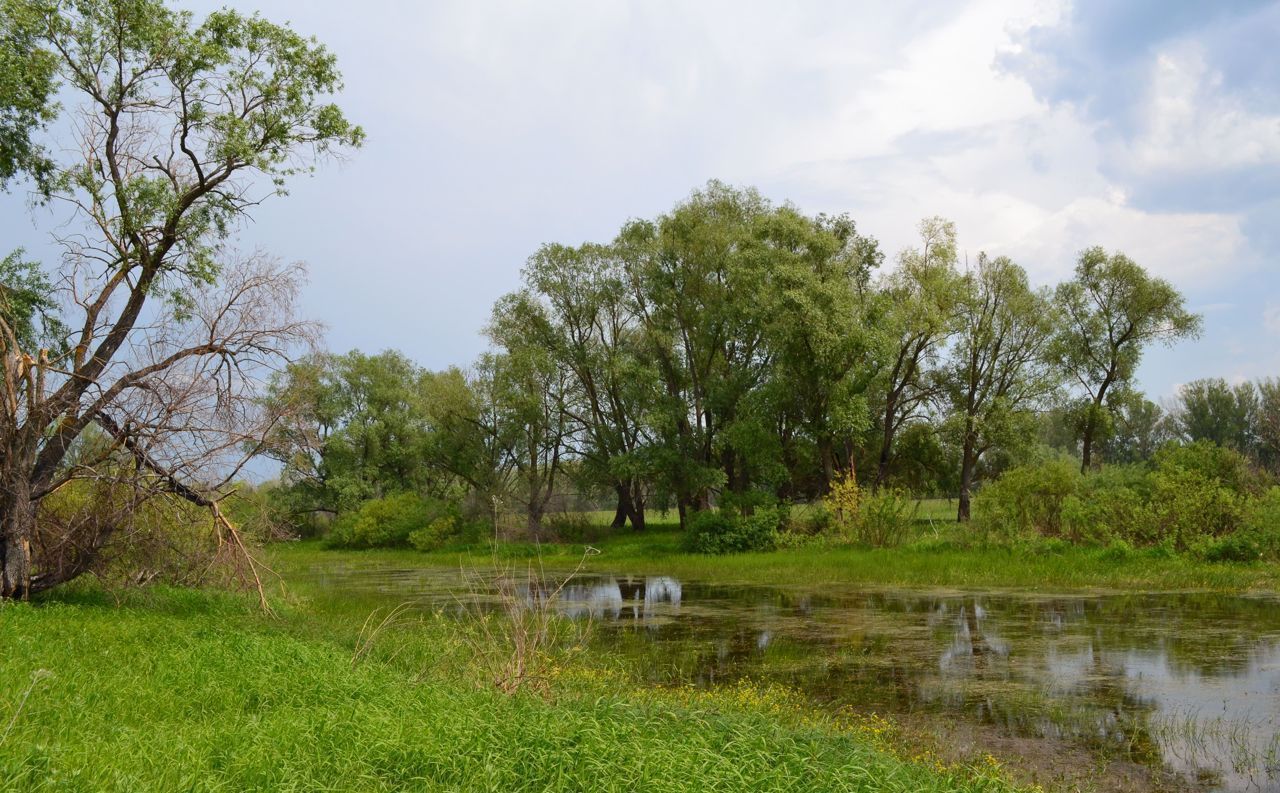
[(1040, 128)]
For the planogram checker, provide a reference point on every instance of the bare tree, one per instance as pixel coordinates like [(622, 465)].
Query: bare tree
[(164, 341)]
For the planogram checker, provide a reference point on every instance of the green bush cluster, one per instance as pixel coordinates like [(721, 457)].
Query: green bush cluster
[(401, 520), (1197, 498), (884, 518), (728, 531)]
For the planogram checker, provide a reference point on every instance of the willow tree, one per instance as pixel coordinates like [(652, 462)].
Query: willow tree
[(1112, 311), (698, 283), (823, 336), (922, 296), (181, 128), (591, 332), (997, 373)]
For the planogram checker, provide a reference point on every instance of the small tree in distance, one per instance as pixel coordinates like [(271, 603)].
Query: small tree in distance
[(1111, 311)]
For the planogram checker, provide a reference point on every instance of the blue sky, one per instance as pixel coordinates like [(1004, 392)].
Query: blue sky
[(1152, 127)]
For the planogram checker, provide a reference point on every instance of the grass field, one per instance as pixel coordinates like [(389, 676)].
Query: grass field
[(163, 689), (939, 554), (178, 690)]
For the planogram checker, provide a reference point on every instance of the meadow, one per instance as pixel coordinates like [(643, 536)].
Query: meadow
[(166, 689), (938, 553)]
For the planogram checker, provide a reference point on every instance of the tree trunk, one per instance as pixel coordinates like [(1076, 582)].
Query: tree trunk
[(620, 512), (17, 524), (886, 446), (826, 451), (637, 516), (1086, 446), (967, 465), (535, 521)]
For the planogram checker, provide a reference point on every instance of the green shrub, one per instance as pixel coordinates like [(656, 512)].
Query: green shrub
[(1028, 499), (436, 534), (1106, 514), (884, 518), (1188, 507), (1238, 547), (1118, 551), (1257, 538), (1210, 462), (397, 521), (720, 532)]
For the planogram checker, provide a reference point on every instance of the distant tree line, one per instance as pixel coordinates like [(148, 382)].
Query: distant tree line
[(735, 348)]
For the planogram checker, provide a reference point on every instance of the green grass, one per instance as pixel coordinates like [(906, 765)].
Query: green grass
[(937, 558), (176, 690)]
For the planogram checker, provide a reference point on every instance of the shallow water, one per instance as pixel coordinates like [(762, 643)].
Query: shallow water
[(1187, 682)]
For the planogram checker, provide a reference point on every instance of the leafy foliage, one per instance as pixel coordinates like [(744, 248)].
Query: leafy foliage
[(722, 531), (397, 520)]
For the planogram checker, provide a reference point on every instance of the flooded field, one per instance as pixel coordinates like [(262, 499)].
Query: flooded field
[(1181, 688)]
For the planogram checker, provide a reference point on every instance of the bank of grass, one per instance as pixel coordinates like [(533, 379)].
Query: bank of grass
[(940, 554), (176, 690)]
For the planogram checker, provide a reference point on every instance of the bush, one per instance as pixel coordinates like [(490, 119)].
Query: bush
[(1211, 462), (398, 521), (1257, 538), (720, 532), (884, 518), (842, 501), (1104, 513), (436, 534), (1239, 547), (1028, 499), (1187, 508)]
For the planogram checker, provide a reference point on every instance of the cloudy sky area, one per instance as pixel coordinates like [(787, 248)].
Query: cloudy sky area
[(1151, 127)]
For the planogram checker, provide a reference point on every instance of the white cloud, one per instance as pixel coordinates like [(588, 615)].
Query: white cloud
[(1191, 124)]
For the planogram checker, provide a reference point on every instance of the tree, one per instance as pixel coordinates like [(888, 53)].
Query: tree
[(529, 393), (1211, 410), (168, 338), (28, 79), (1140, 427), (922, 295), (592, 334), (1267, 424), (697, 279), (822, 333), (996, 375), (354, 427), (1112, 310)]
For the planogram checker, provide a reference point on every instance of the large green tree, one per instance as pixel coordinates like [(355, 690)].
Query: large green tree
[(922, 295), (1112, 310), (590, 330), (529, 392), (181, 128), (824, 336), (354, 427), (996, 376), (698, 278)]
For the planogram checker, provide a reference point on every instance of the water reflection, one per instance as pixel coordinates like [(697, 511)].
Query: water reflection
[(1191, 681)]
